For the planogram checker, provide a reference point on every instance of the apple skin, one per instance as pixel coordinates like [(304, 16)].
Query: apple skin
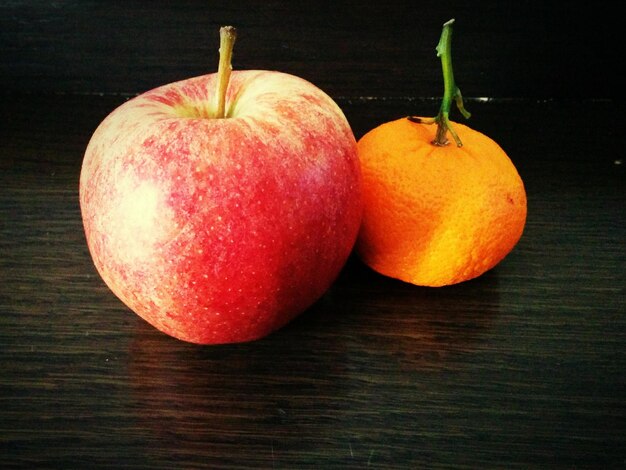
[(222, 230)]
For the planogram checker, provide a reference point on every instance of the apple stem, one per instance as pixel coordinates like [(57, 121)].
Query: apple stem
[(228, 34)]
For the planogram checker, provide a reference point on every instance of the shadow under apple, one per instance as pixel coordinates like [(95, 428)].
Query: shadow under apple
[(369, 344)]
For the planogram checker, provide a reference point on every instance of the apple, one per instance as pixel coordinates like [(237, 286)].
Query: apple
[(220, 207)]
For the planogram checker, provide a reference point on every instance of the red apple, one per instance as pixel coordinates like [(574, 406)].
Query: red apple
[(220, 207)]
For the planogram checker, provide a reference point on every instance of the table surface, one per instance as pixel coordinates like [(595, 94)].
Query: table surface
[(521, 367)]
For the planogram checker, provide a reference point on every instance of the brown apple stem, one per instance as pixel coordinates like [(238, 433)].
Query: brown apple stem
[(228, 34)]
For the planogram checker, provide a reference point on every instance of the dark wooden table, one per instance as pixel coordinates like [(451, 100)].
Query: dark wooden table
[(520, 368)]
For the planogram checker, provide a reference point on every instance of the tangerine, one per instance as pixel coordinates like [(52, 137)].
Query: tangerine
[(437, 214)]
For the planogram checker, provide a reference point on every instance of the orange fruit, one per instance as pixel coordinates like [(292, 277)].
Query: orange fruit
[(437, 215)]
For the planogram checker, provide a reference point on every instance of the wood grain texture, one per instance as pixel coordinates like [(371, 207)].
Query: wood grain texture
[(520, 49), (520, 368)]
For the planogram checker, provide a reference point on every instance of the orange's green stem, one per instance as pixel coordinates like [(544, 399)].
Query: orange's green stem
[(451, 92), (228, 34)]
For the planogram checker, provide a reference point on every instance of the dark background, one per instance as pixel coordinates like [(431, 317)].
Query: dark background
[(521, 368), (521, 49)]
